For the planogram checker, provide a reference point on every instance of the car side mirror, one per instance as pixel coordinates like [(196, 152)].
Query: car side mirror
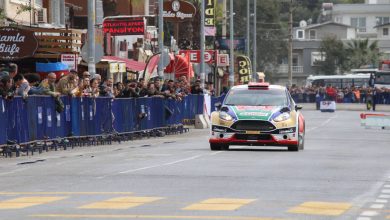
[(218, 106), (298, 107)]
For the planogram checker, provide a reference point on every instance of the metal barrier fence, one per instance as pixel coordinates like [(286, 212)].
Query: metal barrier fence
[(26, 122)]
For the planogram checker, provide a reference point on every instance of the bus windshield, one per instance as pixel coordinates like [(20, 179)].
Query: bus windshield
[(382, 78)]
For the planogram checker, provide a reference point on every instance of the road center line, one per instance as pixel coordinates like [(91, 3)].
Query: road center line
[(160, 165)]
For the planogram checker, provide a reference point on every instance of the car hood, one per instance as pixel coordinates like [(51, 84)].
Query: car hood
[(254, 112)]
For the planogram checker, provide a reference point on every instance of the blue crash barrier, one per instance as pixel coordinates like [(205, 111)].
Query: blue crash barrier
[(215, 100), (36, 118)]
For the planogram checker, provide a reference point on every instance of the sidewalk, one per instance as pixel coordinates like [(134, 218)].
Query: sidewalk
[(348, 107)]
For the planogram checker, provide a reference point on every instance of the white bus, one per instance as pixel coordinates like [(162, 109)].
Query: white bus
[(382, 79), (339, 81)]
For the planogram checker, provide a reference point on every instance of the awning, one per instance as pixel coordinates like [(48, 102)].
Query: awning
[(131, 64)]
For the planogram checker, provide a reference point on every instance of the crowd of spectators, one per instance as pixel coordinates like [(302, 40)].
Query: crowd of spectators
[(340, 95), (75, 84)]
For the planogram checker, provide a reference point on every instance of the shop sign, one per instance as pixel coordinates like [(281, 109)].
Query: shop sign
[(209, 13), (16, 44), (194, 55), (124, 26), (223, 60), (122, 67), (114, 67), (178, 11), (70, 59), (244, 69)]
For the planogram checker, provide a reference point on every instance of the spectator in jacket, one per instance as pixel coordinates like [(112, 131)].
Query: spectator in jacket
[(68, 83), (22, 85)]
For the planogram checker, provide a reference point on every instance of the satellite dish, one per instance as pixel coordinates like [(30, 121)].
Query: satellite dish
[(302, 23)]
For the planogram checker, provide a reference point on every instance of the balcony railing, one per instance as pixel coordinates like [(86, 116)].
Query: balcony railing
[(295, 69)]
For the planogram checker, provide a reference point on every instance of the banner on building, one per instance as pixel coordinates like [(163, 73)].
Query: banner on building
[(209, 13), (224, 44), (244, 69), (194, 55)]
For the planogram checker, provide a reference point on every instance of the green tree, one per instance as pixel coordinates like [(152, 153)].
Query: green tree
[(362, 53), (335, 56)]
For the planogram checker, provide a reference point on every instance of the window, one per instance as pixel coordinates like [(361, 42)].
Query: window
[(312, 34), (300, 34), (385, 31), (317, 57), (359, 23), (382, 20)]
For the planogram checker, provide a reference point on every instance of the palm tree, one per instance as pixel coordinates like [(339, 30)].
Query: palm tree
[(363, 53)]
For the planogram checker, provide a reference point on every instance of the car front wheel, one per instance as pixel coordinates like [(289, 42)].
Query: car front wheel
[(215, 147)]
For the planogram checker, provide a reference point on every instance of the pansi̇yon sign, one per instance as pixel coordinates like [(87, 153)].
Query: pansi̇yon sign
[(124, 26), (16, 44)]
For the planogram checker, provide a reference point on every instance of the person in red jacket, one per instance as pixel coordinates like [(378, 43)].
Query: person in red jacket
[(331, 93)]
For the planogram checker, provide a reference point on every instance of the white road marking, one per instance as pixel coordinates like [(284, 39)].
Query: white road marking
[(322, 124), (363, 218), (377, 206), (369, 213), (214, 153), (384, 196), (381, 201), (14, 171), (387, 186), (160, 165), (386, 191)]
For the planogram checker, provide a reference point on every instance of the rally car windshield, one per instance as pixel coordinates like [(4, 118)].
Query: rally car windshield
[(256, 97)]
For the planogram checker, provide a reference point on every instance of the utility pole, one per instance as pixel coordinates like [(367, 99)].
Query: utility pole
[(224, 9), (254, 69), (248, 21), (202, 40), (231, 45), (160, 37), (91, 37), (290, 22)]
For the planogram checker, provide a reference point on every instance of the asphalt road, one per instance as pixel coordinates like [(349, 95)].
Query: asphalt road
[(343, 173)]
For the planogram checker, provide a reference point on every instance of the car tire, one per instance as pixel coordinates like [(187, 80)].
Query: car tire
[(224, 147), (215, 147), (293, 148)]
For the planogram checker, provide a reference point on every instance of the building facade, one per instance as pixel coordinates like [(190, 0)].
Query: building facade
[(344, 21)]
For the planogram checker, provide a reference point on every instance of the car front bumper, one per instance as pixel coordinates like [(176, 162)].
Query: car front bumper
[(260, 139)]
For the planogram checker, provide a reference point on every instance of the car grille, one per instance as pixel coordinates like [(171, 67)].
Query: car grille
[(262, 137), (253, 125)]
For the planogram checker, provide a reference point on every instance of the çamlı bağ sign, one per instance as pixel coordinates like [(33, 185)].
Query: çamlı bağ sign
[(124, 26), (16, 44)]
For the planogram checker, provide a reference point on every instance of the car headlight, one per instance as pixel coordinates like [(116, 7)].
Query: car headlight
[(225, 116), (282, 117)]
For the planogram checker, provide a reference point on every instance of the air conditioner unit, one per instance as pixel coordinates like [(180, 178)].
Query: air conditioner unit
[(41, 15)]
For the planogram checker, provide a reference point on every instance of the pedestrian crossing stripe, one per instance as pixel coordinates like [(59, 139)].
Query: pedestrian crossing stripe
[(219, 204), (321, 208), (24, 202), (120, 203)]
